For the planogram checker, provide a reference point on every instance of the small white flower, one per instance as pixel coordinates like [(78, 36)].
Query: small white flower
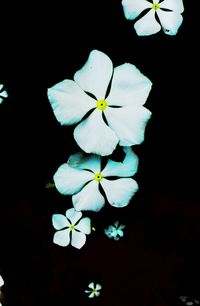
[(81, 177), (118, 117), (68, 228), (115, 231), (94, 290), (3, 93), (167, 11)]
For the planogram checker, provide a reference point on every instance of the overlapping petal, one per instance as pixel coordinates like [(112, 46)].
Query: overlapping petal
[(62, 237), (73, 215), (80, 161), (132, 9), (78, 239), (147, 25), (84, 226), (59, 221), (174, 5), (170, 21)]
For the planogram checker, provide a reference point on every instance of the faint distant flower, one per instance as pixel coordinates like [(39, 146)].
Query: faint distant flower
[(94, 290), (82, 176), (69, 229), (188, 300), (3, 93), (115, 231), (167, 11), (50, 185)]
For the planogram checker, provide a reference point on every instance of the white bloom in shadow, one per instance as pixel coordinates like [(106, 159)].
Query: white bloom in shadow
[(3, 93), (115, 231), (167, 11), (69, 229), (112, 118), (81, 177), (94, 290)]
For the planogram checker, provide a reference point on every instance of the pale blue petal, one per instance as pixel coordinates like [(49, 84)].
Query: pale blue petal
[(127, 168), (174, 5), (94, 136), (119, 192), (73, 215), (120, 233), (121, 226), (62, 237), (89, 198), (132, 8), (80, 161), (95, 75), (4, 94), (60, 221), (170, 21), (78, 239), (69, 102), (69, 180), (84, 226), (147, 25)]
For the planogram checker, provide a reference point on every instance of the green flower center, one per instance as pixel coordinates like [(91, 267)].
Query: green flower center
[(94, 291), (98, 177), (72, 227), (155, 6), (101, 104)]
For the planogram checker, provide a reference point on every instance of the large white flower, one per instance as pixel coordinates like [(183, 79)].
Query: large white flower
[(81, 177), (3, 93), (117, 117), (68, 228), (167, 11)]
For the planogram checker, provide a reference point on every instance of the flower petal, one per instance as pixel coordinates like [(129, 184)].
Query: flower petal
[(73, 215), (129, 86), (78, 239), (91, 285), (97, 293), (89, 198), (62, 237), (59, 221), (128, 123), (119, 192), (174, 5), (69, 102), (1, 281), (91, 295), (98, 287), (127, 168), (4, 94), (80, 161), (170, 21), (120, 233), (69, 180), (132, 9), (95, 75), (84, 226), (94, 136), (147, 25)]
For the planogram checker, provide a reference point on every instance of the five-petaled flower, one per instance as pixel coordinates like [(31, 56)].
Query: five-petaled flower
[(94, 290), (167, 11), (68, 228), (107, 118), (81, 177), (115, 231), (3, 93)]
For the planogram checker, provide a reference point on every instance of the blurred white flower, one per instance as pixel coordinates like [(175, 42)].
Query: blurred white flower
[(69, 229), (1, 281), (188, 300), (81, 177), (94, 290), (167, 11), (3, 93), (117, 117), (115, 231)]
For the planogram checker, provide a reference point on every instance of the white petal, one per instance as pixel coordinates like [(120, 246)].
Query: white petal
[(73, 215), (147, 25), (1, 86), (69, 102), (59, 221), (170, 21), (78, 239), (91, 295), (80, 161), (119, 192), (129, 86), (98, 287), (62, 237), (95, 75), (1, 281), (97, 293), (69, 180), (132, 8), (89, 198), (127, 168), (120, 233), (91, 285), (1, 100), (84, 226), (4, 94), (174, 5), (128, 123), (94, 136)]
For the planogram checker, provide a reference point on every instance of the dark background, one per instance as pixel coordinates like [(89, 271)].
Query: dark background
[(158, 258)]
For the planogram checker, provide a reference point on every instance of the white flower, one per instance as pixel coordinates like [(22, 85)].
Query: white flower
[(118, 117), (115, 231), (94, 290), (81, 177), (167, 11), (3, 93), (68, 228), (1, 281)]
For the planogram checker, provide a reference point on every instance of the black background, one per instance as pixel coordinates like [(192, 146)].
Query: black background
[(158, 258)]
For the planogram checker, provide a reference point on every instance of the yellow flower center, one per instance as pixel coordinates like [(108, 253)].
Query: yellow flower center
[(71, 227), (101, 104), (155, 6), (98, 177), (94, 291)]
